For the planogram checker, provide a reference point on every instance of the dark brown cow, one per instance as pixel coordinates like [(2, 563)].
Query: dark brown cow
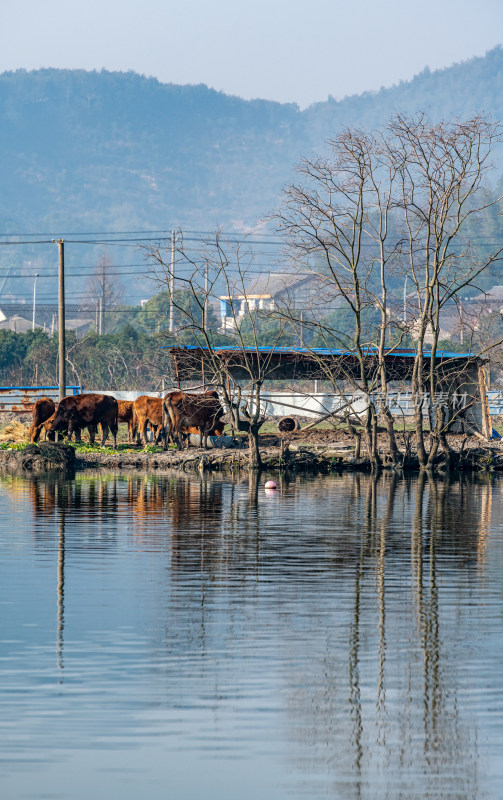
[(87, 411), (183, 412), (126, 414), (148, 411), (43, 409), (92, 429)]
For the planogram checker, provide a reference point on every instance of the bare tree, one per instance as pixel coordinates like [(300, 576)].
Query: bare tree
[(336, 221), (105, 290), (380, 208), (231, 360), (440, 173)]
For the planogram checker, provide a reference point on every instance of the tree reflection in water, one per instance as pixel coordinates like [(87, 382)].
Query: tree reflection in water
[(352, 580)]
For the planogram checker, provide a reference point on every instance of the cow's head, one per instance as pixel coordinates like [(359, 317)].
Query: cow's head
[(58, 421)]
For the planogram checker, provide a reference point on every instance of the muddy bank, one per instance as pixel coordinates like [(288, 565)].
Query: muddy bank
[(46, 457), (295, 455)]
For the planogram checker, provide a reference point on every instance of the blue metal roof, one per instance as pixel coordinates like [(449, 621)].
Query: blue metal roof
[(321, 351), (75, 389)]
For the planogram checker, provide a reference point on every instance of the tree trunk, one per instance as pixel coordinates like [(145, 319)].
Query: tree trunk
[(390, 430), (370, 433), (376, 458), (253, 442), (418, 422)]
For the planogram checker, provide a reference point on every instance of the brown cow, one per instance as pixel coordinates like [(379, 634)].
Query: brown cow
[(126, 414), (87, 411), (148, 411), (183, 412), (43, 409), (92, 429)]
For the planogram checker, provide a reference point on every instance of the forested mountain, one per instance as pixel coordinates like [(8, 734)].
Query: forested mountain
[(96, 151)]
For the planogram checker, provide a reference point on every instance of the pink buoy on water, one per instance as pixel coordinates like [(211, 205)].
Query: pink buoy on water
[(270, 485)]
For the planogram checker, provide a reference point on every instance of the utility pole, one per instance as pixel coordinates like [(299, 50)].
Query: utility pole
[(172, 283), (100, 306), (61, 319), (205, 306), (34, 301), (103, 294)]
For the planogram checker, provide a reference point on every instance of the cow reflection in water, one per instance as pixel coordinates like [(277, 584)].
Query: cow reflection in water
[(193, 506), (87, 501)]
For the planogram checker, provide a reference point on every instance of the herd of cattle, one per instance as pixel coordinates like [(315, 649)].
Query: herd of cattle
[(172, 418)]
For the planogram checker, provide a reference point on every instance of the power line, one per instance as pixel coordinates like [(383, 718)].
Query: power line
[(200, 238), (183, 271), (206, 234)]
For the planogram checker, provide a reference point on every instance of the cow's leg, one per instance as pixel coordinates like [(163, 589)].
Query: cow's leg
[(53, 436), (92, 433), (104, 434), (114, 427), (178, 437), (34, 433), (143, 438), (69, 433), (206, 431)]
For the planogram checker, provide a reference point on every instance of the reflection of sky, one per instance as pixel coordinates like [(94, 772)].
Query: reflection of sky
[(281, 638)]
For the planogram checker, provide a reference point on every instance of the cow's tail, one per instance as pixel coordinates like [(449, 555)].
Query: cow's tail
[(134, 427), (166, 423), (169, 422)]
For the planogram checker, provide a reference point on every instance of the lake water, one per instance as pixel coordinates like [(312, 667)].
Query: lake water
[(186, 637)]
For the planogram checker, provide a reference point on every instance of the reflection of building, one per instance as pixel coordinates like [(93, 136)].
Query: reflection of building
[(301, 291)]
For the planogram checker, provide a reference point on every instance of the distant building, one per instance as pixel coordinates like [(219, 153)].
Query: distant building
[(299, 291), (18, 317), (458, 318)]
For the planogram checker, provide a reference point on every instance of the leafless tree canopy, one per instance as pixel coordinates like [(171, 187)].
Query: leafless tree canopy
[(392, 207)]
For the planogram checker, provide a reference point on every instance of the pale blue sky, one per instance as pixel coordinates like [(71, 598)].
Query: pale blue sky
[(283, 50)]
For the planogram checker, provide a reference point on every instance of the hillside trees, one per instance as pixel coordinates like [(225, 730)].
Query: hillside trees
[(125, 360)]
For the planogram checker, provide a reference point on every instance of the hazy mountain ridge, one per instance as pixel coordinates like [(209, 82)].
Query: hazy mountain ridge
[(102, 151), (123, 149)]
